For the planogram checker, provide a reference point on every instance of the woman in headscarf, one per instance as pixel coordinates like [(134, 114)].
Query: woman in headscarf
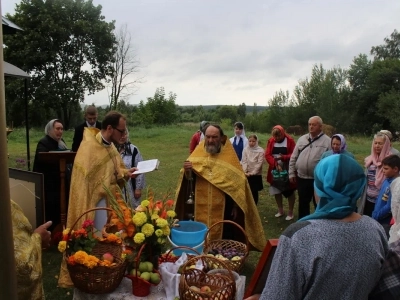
[(338, 145), (131, 156), (239, 141), (252, 163), (334, 253), (52, 141), (373, 163), (277, 153)]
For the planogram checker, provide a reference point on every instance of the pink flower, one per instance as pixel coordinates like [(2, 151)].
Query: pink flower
[(88, 223)]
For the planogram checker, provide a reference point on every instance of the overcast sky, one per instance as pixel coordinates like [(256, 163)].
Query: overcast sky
[(230, 51)]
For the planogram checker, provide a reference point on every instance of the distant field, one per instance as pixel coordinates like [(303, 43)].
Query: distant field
[(171, 146)]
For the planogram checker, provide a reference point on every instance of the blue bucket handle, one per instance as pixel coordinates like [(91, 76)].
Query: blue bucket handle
[(174, 245)]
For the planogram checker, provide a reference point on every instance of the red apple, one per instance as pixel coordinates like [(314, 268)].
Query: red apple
[(108, 256), (205, 289)]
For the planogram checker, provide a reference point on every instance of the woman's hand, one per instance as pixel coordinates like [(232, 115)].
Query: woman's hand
[(44, 234)]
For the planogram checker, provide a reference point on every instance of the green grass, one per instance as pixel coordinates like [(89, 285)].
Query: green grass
[(170, 145)]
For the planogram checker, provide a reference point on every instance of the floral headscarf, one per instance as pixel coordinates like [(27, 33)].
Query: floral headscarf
[(49, 130)]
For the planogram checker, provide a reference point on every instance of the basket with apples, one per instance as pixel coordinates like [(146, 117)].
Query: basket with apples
[(199, 284), (232, 253), (143, 276), (95, 265)]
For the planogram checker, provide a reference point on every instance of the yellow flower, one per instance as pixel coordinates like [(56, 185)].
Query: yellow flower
[(139, 218), (91, 261), (139, 238), (154, 216), (62, 246), (148, 229), (145, 203), (166, 231), (159, 233), (171, 213), (66, 231), (80, 257), (161, 222)]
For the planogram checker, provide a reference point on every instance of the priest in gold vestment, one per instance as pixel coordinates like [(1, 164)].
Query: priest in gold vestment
[(97, 163), (220, 188), (28, 245)]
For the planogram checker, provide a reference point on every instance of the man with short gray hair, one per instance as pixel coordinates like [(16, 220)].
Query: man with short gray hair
[(305, 157)]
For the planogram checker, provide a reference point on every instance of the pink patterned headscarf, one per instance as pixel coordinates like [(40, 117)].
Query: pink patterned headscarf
[(376, 160)]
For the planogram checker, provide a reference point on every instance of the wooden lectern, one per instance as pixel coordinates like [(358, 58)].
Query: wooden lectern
[(63, 158)]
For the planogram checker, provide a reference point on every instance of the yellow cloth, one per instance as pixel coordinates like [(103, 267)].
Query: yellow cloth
[(217, 175), (28, 256), (95, 164)]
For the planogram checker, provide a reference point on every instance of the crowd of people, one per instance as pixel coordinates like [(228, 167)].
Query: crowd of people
[(224, 176)]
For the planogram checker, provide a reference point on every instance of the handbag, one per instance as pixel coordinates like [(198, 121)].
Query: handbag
[(280, 179)]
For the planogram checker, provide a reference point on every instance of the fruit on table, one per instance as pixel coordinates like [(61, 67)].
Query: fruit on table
[(236, 258)]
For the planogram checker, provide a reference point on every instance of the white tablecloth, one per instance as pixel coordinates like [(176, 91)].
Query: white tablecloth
[(124, 292)]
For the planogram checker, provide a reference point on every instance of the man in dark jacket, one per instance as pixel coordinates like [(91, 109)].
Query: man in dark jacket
[(90, 121)]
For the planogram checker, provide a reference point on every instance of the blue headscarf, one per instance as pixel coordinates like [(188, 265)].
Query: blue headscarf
[(339, 181)]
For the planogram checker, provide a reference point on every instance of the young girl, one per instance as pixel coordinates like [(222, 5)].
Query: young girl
[(252, 162), (239, 141)]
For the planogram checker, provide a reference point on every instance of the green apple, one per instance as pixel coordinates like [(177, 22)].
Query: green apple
[(143, 266), (145, 276), (155, 278), (135, 272), (149, 266)]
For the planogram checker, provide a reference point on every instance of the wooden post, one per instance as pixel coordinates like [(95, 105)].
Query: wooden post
[(8, 277)]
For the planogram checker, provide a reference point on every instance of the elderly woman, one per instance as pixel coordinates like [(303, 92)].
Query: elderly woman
[(333, 253), (131, 156), (278, 151), (338, 145), (52, 141), (373, 163)]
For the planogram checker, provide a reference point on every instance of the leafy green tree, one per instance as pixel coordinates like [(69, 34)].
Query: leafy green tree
[(160, 110), (66, 46), (226, 112), (241, 110), (391, 48)]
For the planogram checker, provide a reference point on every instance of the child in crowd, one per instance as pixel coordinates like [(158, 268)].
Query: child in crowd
[(382, 211), (252, 163)]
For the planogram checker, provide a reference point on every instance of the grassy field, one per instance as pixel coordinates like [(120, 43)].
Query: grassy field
[(170, 145)]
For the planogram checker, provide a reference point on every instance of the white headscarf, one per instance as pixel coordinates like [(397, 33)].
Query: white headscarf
[(256, 148), (49, 130), (242, 135)]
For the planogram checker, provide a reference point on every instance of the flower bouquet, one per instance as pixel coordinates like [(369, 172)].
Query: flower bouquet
[(144, 237), (95, 264)]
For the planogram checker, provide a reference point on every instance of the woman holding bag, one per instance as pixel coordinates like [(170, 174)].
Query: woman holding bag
[(278, 152)]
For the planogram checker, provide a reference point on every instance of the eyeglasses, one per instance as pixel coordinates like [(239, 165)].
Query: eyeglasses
[(122, 132)]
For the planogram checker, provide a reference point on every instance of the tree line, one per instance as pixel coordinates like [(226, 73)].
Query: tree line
[(69, 50)]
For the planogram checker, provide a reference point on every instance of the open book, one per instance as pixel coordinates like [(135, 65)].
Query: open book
[(147, 166)]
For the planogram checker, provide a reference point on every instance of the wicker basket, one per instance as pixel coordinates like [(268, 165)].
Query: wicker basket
[(140, 287), (236, 265), (168, 258), (192, 280), (100, 279)]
